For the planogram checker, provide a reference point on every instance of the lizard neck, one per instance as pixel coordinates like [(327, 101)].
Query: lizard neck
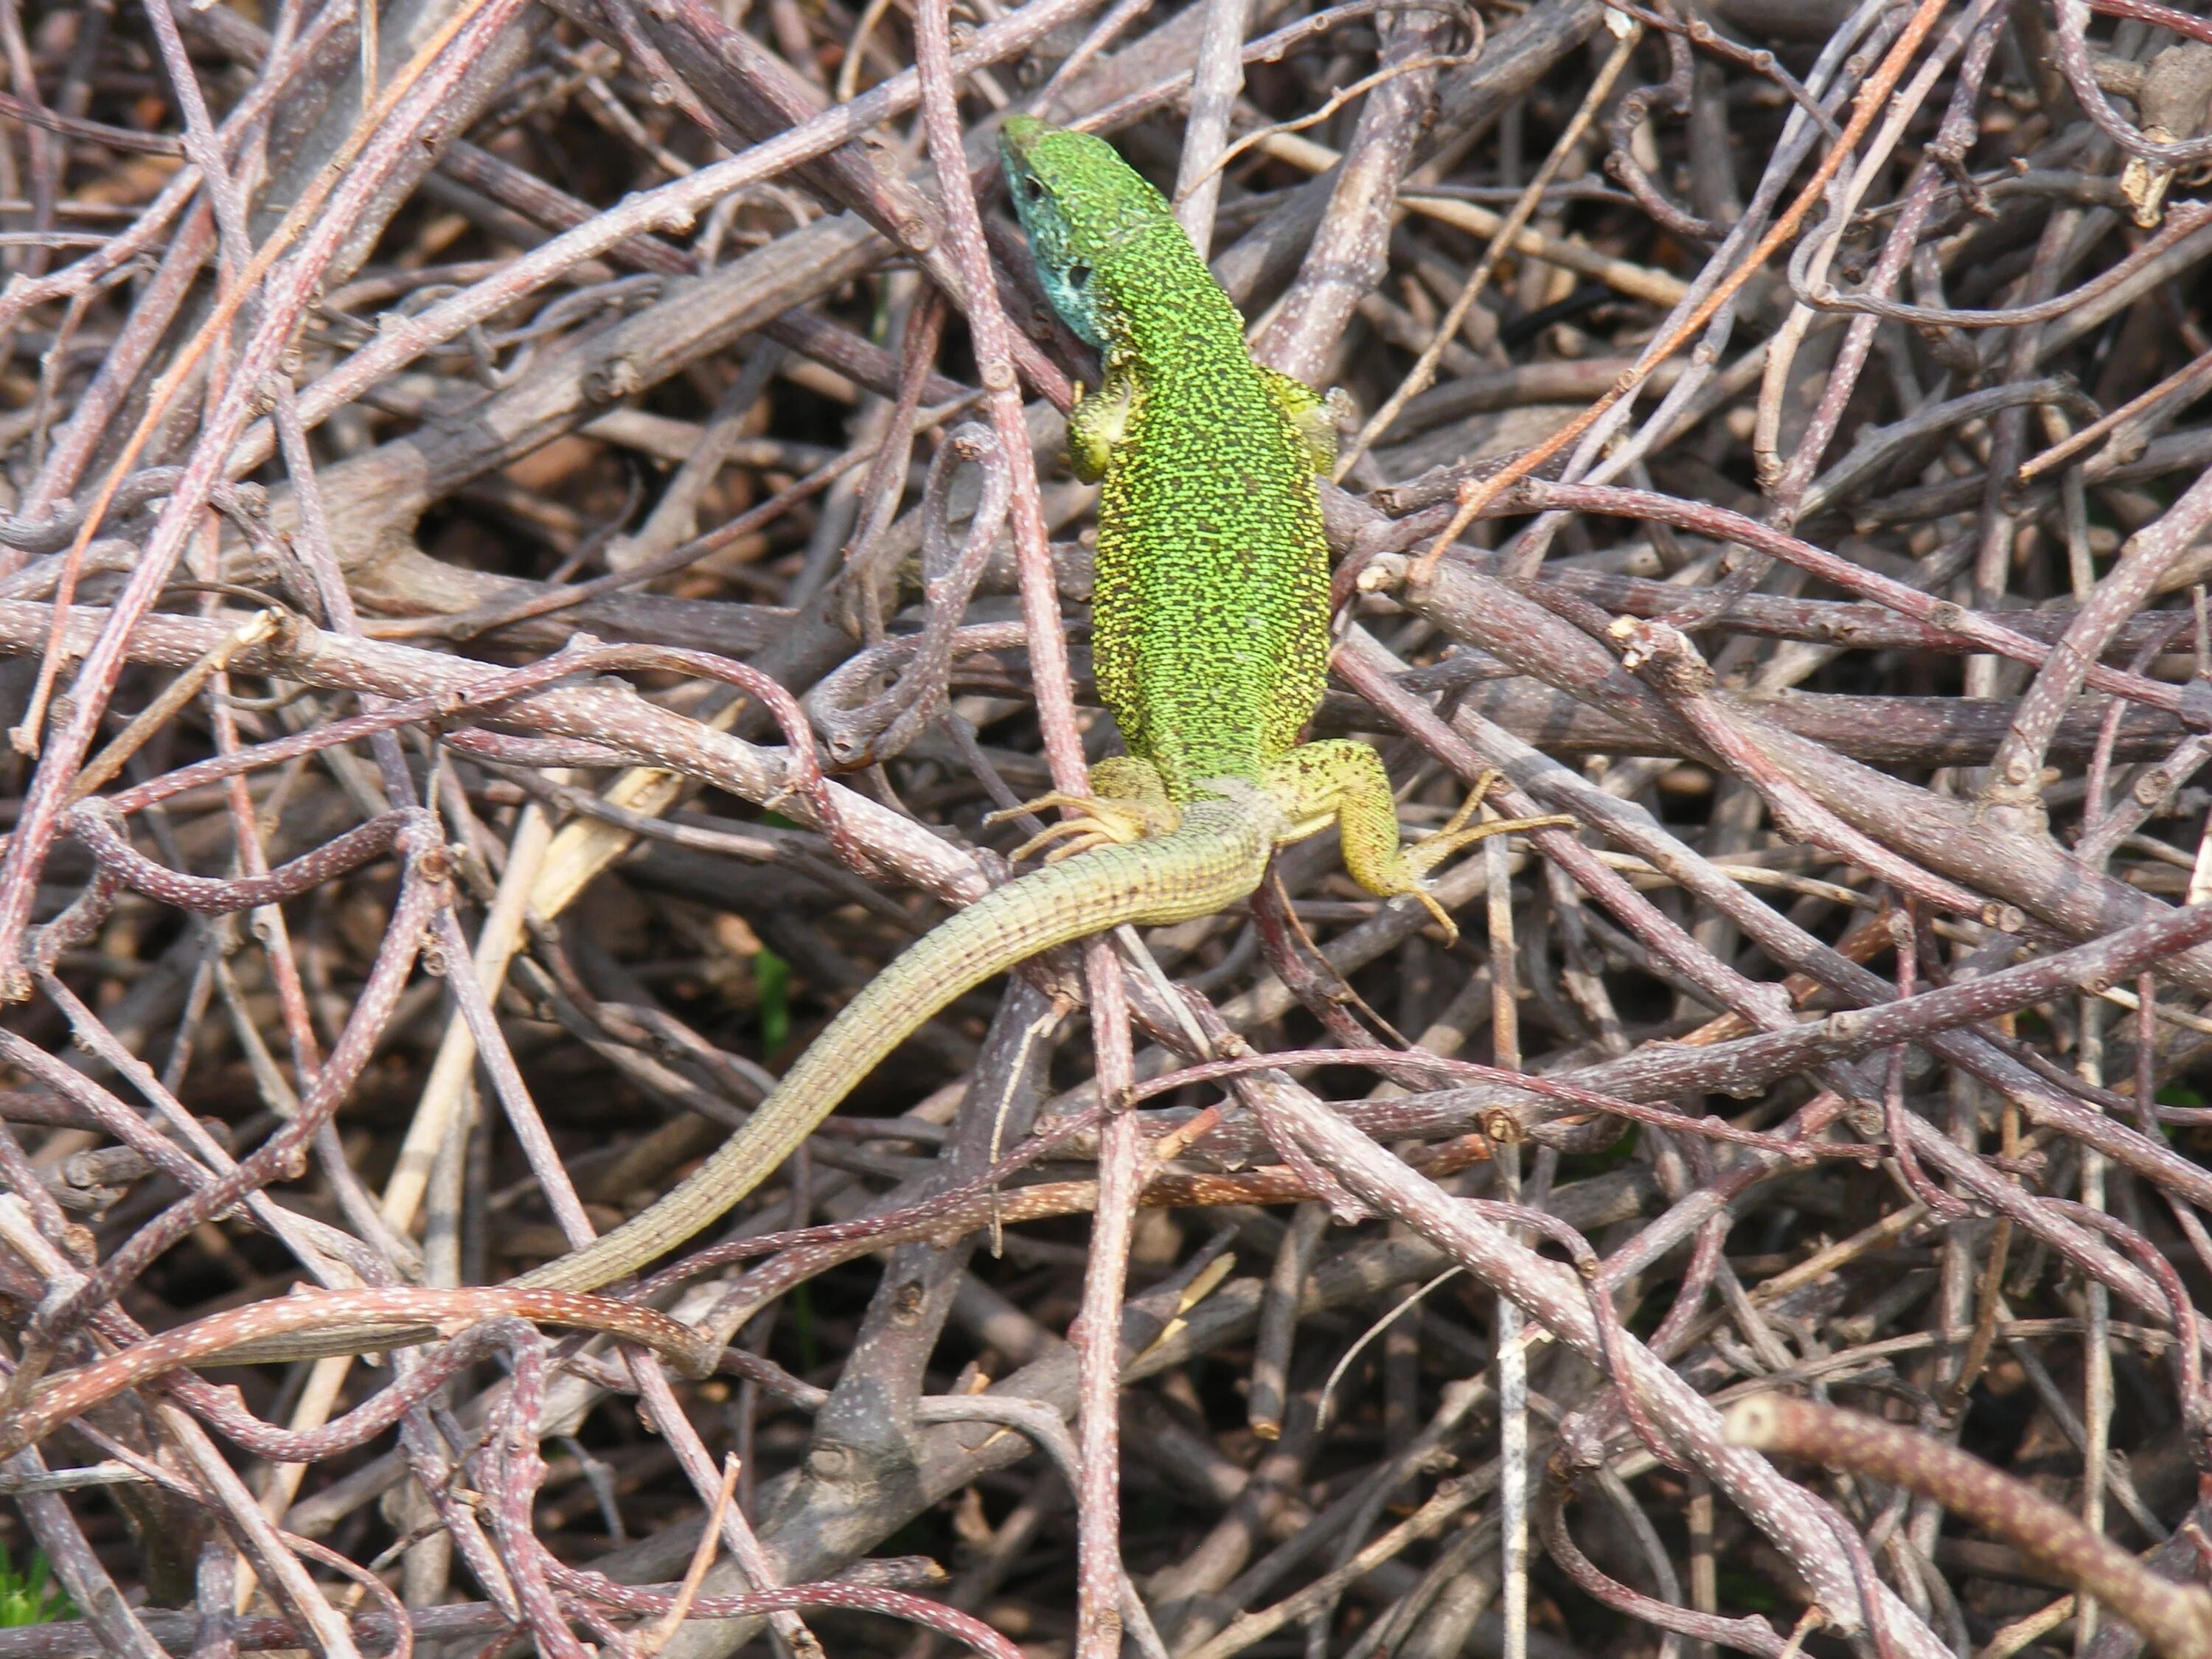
[(1164, 313)]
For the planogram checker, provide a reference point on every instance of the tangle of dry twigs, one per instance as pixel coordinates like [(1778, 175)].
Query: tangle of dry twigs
[(532, 536)]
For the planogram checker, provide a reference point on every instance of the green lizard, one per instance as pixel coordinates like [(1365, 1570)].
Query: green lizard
[(1210, 635), (1211, 640)]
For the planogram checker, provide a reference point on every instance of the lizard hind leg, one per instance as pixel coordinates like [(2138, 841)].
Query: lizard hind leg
[(1128, 803), (1345, 781)]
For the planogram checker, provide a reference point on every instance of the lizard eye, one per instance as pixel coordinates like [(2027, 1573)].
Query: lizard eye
[(1078, 276)]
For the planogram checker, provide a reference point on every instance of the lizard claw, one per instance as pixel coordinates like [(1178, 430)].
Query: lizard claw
[(1458, 832), (1425, 856), (1442, 916), (1099, 824)]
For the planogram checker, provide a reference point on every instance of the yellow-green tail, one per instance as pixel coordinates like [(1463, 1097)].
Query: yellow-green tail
[(1213, 859)]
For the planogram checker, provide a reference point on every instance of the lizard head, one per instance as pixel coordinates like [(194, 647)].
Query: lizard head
[(1079, 204)]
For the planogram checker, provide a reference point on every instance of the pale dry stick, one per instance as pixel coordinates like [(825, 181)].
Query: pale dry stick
[(2166, 17), (267, 922), (118, 1630), (1512, 1352), (288, 653), (174, 696), (281, 1483), (1336, 100), (1625, 276), (2047, 1106), (1268, 1393), (1216, 79), (2027, 1631), (1424, 371), (2097, 1347), (23, 292), (1749, 1634), (1171, 89), (2178, 246), (1348, 255), (849, 72), (450, 1071), (1478, 493), (1109, 28), (1410, 1304), (1101, 1579), (228, 207), (584, 847), (659, 1399), (1099, 1572), (654, 1637), (2177, 1619), (1449, 1499), (372, 55), (2190, 380)]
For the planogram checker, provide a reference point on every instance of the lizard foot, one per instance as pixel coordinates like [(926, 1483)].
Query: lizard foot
[(1425, 855), (1100, 824), (1460, 832), (1128, 806)]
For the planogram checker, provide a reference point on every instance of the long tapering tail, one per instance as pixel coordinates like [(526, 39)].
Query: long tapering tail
[(1215, 857)]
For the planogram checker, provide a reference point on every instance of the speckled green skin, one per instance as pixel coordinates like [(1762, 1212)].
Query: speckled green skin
[(1210, 619)]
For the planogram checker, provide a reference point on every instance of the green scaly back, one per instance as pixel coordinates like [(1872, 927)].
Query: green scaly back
[(1210, 615)]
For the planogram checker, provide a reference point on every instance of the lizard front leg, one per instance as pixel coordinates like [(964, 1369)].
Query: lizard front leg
[(1097, 421)]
